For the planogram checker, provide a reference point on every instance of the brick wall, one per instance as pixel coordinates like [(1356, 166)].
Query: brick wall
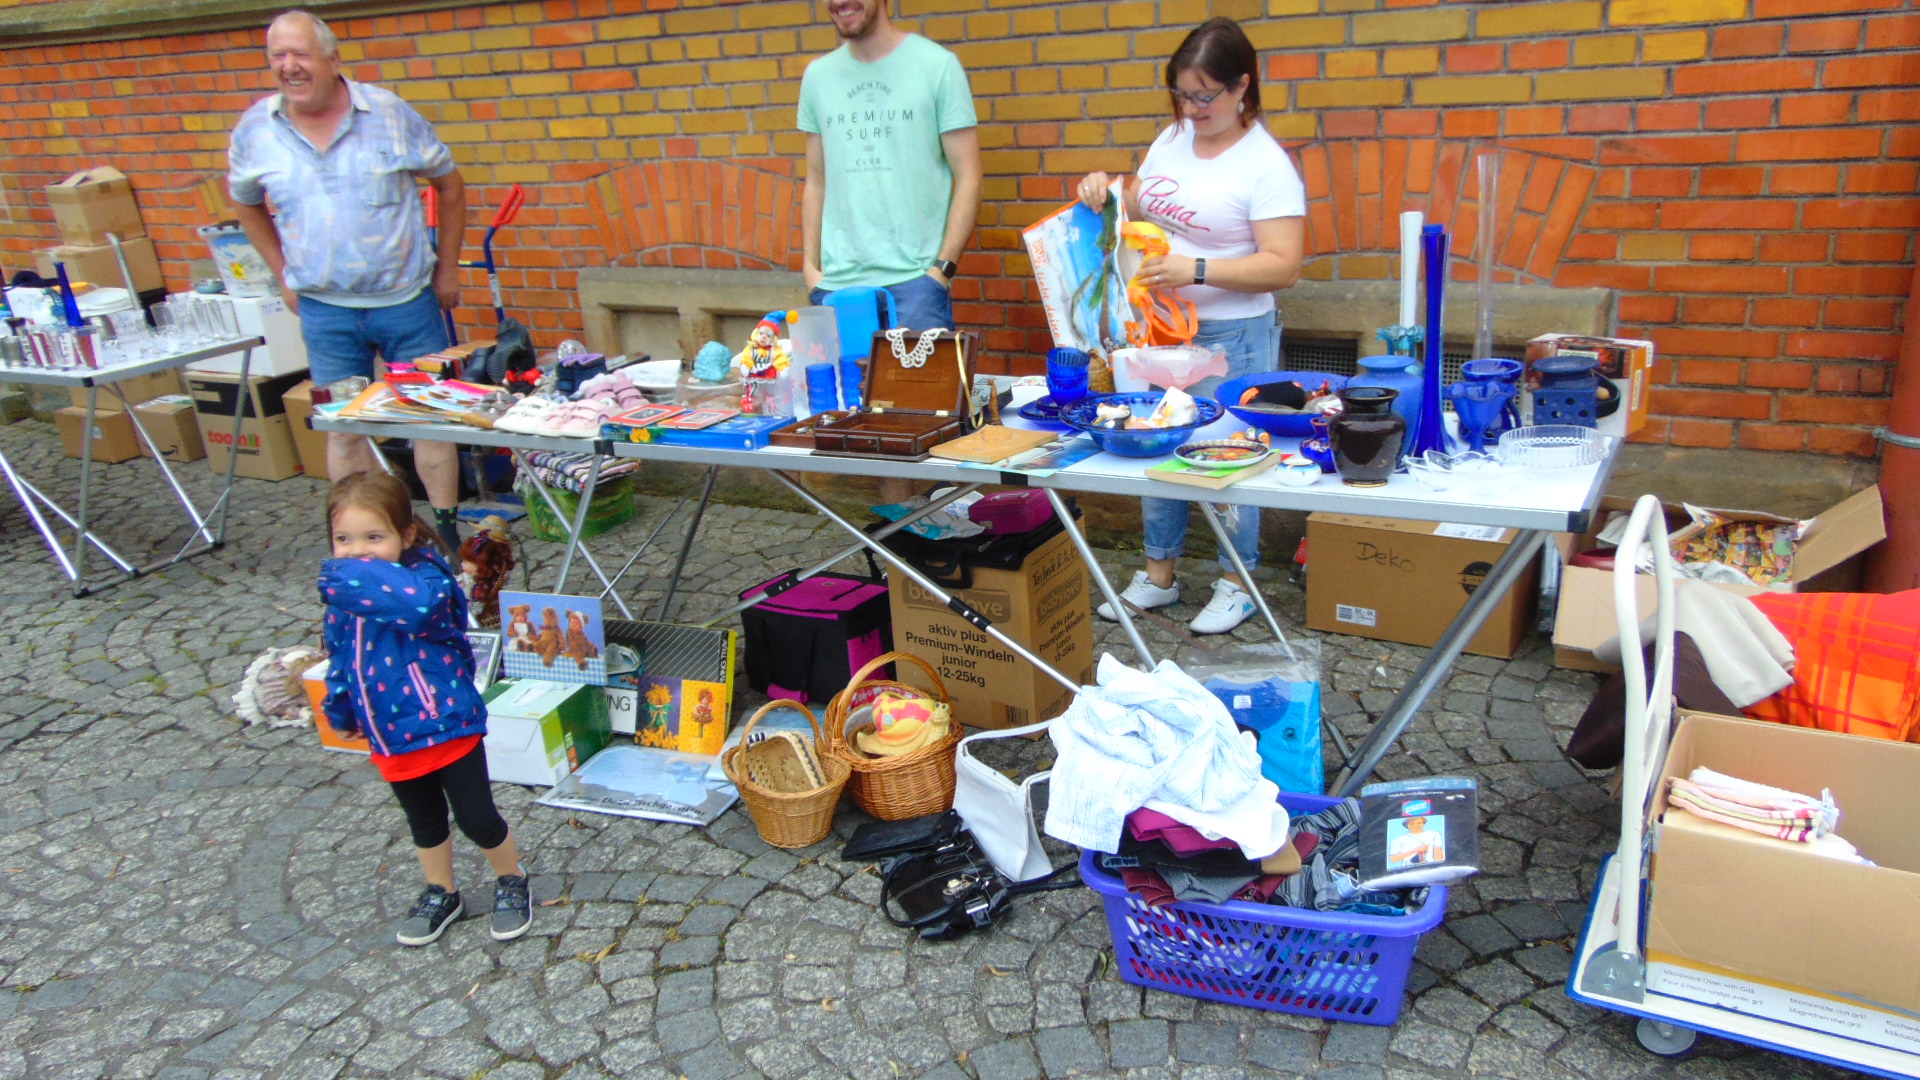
[(1743, 172)]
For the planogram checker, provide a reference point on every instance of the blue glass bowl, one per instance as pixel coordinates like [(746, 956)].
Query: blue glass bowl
[(1291, 425), (1153, 442)]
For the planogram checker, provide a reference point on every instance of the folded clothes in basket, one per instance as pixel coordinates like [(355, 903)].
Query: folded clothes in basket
[(1769, 811), (567, 470)]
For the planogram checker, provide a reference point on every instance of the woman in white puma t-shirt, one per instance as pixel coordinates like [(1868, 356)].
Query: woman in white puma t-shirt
[(1235, 211)]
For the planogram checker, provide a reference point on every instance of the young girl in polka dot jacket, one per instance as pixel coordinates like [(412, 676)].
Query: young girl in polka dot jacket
[(401, 673)]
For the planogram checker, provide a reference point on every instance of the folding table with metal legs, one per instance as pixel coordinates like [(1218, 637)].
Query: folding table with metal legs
[(209, 529)]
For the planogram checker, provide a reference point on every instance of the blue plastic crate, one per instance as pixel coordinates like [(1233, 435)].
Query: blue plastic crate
[(1268, 956)]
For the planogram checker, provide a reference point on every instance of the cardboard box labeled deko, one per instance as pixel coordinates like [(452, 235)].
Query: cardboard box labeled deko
[(138, 389), (171, 422), (92, 203), (113, 438), (1725, 898), (1825, 560), (311, 445), (1044, 605), (95, 264), (538, 732), (266, 443), (1405, 581)]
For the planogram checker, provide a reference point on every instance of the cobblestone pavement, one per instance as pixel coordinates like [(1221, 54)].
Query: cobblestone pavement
[(184, 897)]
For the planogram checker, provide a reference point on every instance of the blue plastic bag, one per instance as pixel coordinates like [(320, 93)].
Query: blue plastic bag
[(1279, 701)]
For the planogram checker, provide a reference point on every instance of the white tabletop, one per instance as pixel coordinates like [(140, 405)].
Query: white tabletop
[(81, 377)]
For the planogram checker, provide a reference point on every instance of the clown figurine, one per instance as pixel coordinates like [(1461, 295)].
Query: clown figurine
[(761, 364)]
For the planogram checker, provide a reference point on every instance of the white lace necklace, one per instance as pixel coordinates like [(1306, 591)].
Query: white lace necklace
[(922, 348)]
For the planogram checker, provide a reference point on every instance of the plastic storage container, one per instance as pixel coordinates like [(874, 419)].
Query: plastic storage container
[(1266, 956)]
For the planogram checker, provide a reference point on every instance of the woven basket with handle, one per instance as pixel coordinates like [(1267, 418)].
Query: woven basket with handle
[(906, 785), (790, 791)]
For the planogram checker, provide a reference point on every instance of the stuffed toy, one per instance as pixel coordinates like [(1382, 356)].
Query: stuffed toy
[(761, 363), (486, 558)]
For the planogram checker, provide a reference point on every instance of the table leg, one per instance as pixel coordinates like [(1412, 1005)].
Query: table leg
[(932, 507), (686, 543), (233, 448), (1439, 661), (957, 606), (1065, 514), (573, 539), (27, 494), (580, 521), (1240, 567), (642, 549), (86, 489), (160, 458)]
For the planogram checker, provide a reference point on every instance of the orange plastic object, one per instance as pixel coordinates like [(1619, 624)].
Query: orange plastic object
[(1166, 318)]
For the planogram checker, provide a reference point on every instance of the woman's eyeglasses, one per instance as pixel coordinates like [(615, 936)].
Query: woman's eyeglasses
[(1198, 99)]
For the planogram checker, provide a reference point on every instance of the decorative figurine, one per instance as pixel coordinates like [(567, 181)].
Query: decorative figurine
[(761, 363), (486, 558), (710, 364)]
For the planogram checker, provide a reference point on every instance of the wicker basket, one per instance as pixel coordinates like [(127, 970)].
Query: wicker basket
[(778, 784), (894, 788)]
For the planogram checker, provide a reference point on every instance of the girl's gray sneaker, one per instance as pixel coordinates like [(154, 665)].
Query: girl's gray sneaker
[(431, 914), (512, 907)]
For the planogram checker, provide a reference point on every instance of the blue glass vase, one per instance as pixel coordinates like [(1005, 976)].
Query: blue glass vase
[(1394, 373)]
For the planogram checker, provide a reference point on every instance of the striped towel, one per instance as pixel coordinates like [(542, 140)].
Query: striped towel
[(1769, 811)]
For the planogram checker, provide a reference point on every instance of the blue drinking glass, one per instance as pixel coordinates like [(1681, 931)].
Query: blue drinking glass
[(1067, 374)]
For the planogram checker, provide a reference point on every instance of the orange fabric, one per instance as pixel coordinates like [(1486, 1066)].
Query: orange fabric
[(421, 762), (1856, 663)]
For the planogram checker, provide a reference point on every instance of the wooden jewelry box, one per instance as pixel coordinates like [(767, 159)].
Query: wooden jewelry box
[(907, 410)]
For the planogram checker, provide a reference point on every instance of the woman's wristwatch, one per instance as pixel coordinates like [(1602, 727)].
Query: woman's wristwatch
[(1200, 271)]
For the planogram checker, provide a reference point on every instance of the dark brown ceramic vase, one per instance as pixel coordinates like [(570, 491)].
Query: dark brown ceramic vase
[(1367, 435)]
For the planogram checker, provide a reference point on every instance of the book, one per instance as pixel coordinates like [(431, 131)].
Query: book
[(695, 419), (378, 402), (1213, 479), (1419, 832)]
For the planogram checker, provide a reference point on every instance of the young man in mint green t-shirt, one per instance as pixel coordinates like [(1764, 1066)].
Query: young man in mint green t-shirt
[(893, 165)]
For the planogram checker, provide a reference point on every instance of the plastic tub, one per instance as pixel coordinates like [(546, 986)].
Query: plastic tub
[(1145, 443), (1266, 956), (1291, 425)]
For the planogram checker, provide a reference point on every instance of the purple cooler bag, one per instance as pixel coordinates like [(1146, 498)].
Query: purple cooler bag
[(805, 641)]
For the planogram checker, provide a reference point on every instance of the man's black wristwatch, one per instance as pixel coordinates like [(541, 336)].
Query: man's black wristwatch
[(947, 267), (1199, 271)]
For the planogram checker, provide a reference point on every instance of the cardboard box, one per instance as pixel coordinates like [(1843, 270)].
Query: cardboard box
[(92, 203), (138, 389), (310, 445), (171, 422), (266, 317), (1827, 559), (315, 681), (683, 699), (113, 437), (266, 443), (1746, 903), (1404, 581), (538, 732), (1044, 605), (1625, 362), (95, 264)]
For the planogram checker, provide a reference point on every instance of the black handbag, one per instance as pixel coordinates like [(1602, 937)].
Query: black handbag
[(951, 889)]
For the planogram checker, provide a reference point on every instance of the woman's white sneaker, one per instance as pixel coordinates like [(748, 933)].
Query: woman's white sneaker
[(1143, 594), (1230, 606)]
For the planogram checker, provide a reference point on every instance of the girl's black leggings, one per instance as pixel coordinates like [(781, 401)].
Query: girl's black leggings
[(462, 785)]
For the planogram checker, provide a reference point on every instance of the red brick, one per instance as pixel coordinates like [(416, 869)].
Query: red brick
[(1893, 32), (1623, 215), (1808, 110), (1537, 120), (1876, 70), (1473, 59), (1655, 183), (1594, 246), (1470, 123), (1411, 122), (1750, 344), (1727, 214), (1709, 434), (1794, 247), (1710, 372), (1714, 310), (1711, 248), (1293, 65), (1830, 35), (1823, 144), (1534, 55), (1864, 314), (1722, 403), (1346, 124), (1870, 247), (1668, 116), (1798, 9), (1893, 179), (1735, 113), (1760, 76), (1732, 180), (1649, 309), (1838, 379), (1831, 409), (1839, 441), (1747, 40), (1779, 375), (1903, 142), (1788, 437), (1585, 118), (1667, 150), (1851, 281), (1833, 345), (1597, 275), (1805, 179), (1880, 106)]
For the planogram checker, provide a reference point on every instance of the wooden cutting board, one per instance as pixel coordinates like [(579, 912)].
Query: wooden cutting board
[(993, 443)]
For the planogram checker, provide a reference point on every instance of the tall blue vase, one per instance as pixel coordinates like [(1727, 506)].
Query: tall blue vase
[(1433, 265), (1392, 372)]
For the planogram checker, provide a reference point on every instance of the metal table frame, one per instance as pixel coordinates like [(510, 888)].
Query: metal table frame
[(209, 528), (1533, 519)]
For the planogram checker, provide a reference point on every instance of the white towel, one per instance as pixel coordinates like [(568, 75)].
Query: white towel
[(1746, 656), (1158, 735)]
